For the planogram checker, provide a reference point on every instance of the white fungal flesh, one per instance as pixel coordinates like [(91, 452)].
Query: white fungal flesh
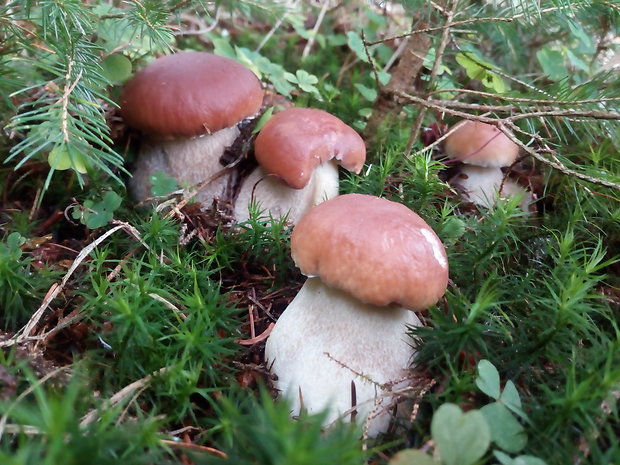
[(325, 339), (276, 198), (189, 161)]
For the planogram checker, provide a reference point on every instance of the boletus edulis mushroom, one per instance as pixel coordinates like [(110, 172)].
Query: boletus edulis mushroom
[(483, 151), (343, 339), (298, 151), (188, 106)]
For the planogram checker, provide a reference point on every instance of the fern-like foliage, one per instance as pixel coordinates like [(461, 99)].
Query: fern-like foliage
[(51, 69)]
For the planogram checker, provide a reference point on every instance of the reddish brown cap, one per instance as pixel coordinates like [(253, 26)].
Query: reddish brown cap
[(190, 93), (296, 140), (481, 144), (378, 251)]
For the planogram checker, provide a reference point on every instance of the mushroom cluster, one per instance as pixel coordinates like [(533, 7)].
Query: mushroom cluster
[(297, 151), (483, 151), (189, 105), (342, 343)]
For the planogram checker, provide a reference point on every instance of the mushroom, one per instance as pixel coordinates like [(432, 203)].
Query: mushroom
[(297, 151), (369, 263), (484, 150), (189, 104)]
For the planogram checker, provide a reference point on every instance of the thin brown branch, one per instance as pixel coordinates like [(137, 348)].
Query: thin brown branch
[(533, 101), (465, 22), (370, 60), (523, 113), (555, 163)]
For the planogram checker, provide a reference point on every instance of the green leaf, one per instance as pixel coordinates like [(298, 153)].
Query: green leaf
[(552, 62), (506, 431), (412, 457), (356, 44), (505, 459), (223, 48), (488, 379), (97, 214), (266, 116), (247, 57), (368, 93), (278, 76), (14, 242), (461, 438), (384, 77), (336, 40), (162, 184), (116, 68), (493, 81), (510, 398), (306, 81), (474, 67), (478, 69), (62, 158), (365, 112)]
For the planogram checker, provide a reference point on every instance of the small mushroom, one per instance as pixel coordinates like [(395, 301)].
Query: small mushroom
[(189, 105), (369, 262), (481, 185), (297, 151), (484, 150)]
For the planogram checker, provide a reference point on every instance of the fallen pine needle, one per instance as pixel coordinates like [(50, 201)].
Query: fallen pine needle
[(189, 445), (254, 340)]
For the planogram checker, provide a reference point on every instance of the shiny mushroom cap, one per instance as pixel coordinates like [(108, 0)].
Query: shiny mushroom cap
[(481, 144), (189, 94), (378, 251), (296, 140)]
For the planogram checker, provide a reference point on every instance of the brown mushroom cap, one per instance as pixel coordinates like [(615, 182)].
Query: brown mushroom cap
[(190, 93), (481, 144), (376, 250), (296, 140)]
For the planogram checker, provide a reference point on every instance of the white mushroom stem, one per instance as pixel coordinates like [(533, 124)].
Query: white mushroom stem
[(274, 197), (189, 161), (325, 339), (480, 185)]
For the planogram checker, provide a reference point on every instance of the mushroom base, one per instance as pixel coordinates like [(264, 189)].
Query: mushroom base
[(326, 340), (189, 161), (480, 185), (274, 197)]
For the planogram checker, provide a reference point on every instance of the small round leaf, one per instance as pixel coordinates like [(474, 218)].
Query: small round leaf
[(117, 68), (462, 438)]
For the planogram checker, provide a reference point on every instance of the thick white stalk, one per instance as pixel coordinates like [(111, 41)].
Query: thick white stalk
[(189, 161), (325, 340), (276, 198)]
